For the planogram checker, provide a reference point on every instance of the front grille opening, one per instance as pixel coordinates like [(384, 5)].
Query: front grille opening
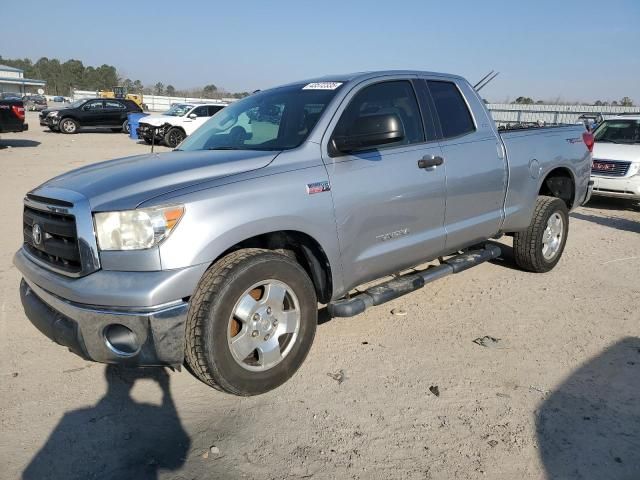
[(55, 241), (610, 168)]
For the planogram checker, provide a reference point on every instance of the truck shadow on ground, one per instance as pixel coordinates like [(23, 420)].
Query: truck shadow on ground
[(588, 427), (117, 437), (17, 143), (606, 203)]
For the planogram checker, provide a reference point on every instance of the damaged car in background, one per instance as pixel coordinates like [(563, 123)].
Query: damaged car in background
[(176, 124)]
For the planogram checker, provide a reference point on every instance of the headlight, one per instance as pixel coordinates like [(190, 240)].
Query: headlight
[(53, 114), (136, 229)]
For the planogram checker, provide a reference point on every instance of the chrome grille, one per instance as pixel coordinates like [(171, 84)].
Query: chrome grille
[(51, 237), (609, 168)]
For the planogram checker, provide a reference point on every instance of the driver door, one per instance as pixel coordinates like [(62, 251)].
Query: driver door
[(389, 209)]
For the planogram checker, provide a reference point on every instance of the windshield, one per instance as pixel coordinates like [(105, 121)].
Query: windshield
[(618, 131), (276, 119), (178, 110)]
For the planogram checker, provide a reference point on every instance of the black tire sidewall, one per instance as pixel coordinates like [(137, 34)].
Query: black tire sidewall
[(167, 138), (227, 371), (557, 206)]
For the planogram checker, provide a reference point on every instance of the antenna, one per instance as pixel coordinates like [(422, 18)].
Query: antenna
[(483, 83), (483, 79)]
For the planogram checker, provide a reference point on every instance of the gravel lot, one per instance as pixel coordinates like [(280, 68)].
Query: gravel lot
[(557, 396)]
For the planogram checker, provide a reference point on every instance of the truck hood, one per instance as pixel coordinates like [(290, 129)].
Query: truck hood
[(125, 183), (616, 151), (157, 120)]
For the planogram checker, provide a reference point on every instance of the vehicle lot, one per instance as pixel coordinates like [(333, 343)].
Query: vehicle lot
[(554, 397)]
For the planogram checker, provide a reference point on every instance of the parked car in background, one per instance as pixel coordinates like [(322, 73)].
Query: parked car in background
[(10, 96), (90, 113), (174, 125), (34, 103), (12, 116), (58, 99), (616, 158), (217, 254)]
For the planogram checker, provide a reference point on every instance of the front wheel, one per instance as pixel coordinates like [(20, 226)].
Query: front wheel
[(251, 322), (174, 136), (539, 247), (68, 125), (125, 127)]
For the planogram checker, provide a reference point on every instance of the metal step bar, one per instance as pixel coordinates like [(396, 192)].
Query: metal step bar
[(410, 282)]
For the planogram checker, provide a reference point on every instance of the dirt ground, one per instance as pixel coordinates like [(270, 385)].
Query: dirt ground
[(557, 396)]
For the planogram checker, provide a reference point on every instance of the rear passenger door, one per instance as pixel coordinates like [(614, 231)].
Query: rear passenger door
[(115, 113), (389, 211), (92, 113), (476, 170)]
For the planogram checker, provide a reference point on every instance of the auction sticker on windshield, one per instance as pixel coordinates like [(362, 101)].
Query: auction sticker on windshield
[(322, 86)]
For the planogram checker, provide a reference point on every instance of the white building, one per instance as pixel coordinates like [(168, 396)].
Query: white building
[(12, 80)]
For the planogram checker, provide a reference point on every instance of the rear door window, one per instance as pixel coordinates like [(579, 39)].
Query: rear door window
[(112, 105), (452, 110), (213, 109)]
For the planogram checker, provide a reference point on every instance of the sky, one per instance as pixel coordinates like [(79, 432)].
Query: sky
[(563, 49)]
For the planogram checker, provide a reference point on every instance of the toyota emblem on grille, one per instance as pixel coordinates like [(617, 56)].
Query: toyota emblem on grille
[(36, 234)]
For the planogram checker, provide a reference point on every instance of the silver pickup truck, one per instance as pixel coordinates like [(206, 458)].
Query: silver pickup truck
[(216, 255)]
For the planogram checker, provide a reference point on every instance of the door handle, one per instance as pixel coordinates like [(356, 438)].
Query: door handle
[(429, 161)]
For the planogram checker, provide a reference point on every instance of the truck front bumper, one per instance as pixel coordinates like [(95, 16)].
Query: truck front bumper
[(128, 336), (132, 318), (624, 187)]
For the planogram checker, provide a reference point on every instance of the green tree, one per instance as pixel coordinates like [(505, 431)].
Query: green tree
[(209, 91), (171, 90), (626, 102), (524, 100), (137, 86), (158, 88)]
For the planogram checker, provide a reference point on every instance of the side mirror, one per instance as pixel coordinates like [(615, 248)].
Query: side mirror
[(193, 116), (371, 131)]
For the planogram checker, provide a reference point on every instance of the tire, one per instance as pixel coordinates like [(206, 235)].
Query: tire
[(125, 127), (174, 136), (68, 126), (229, 315), (539, 247)]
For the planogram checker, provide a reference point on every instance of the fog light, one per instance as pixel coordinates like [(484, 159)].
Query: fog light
[(121, 340)]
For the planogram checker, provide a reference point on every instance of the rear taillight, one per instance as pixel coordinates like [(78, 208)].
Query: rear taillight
[(588, 140), (18, 111)]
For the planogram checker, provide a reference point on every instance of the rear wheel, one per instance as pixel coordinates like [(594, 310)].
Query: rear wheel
[(125, 126), (540, 246), (68, 125), (251, 322), (174, 136)]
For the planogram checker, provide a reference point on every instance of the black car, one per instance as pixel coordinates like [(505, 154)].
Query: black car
[(12, 116), (90, 113)]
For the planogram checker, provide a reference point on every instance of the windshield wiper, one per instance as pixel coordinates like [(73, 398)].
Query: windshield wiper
[(225, 148)]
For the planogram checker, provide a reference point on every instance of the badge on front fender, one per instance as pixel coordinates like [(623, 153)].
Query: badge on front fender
[(318, 187)]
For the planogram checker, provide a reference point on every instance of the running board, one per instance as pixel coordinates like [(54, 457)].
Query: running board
[(410, 282)]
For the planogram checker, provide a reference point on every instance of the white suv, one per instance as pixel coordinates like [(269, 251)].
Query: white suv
[(616, 158), (174, 125)]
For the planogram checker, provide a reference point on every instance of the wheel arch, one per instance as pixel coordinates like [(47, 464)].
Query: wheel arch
[(560, 183), (306, 250)]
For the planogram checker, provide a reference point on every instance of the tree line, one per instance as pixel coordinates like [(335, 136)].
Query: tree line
[(63, 77), (624, 102)]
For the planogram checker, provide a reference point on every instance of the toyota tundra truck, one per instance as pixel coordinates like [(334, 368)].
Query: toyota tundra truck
[(217, 255)]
